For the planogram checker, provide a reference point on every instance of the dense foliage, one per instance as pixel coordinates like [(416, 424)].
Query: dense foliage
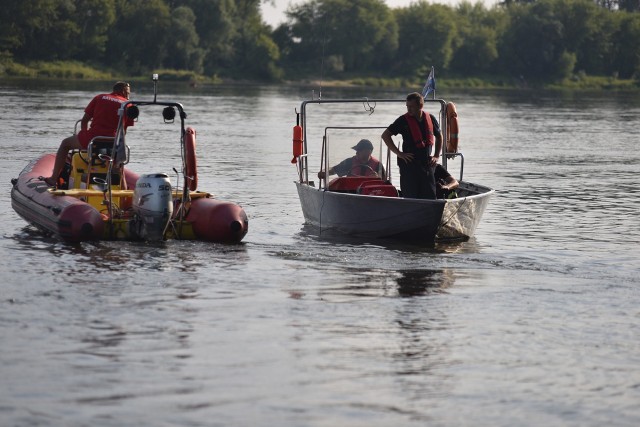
[(525, 40)]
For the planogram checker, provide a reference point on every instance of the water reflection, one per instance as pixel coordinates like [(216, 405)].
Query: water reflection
[(384, 283), (100, 337), (422, 330), (413, 283), (385, 324), (312, 233), (96, 257)]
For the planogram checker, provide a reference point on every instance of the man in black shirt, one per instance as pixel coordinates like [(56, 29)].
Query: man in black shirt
[(420, 132)]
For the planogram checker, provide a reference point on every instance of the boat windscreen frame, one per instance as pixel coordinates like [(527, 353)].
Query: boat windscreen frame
[(324, 162), (369, 104), (182, 115), (120, 138)]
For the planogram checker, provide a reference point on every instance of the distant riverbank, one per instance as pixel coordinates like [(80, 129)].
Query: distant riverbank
[(69, 70)]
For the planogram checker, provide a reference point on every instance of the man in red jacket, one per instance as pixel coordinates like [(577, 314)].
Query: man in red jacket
[(102, 111)]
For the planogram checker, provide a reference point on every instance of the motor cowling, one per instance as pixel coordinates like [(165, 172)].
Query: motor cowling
[(152, 205)]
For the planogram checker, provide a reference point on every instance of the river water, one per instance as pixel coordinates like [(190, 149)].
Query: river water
[(534, 321)]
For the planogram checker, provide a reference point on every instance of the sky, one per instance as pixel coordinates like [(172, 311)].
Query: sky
[(274, 14)]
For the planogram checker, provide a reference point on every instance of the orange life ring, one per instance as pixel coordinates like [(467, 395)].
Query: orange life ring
[(191, 167), (452, 128)]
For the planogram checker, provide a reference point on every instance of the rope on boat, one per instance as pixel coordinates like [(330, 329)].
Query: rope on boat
[(443, 223), (368, 107), (324, 41)]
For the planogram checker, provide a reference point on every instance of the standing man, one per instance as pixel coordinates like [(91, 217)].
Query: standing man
[(102, 111), (420, 132)]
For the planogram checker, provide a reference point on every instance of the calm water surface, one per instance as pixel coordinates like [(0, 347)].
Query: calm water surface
[(534, 321)]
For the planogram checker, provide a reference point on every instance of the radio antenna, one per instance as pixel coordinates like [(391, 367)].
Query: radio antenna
[(155, 87), (324, 41)]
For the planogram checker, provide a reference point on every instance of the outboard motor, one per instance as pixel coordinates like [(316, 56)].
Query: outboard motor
[(153, 205)]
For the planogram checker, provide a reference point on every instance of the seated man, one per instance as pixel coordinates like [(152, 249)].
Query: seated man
[(102, 113), (445, 183), (362, 164)]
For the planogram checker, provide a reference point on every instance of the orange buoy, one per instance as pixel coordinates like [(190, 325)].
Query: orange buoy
[(297, 143), (191, 167), (218, 221), (452, 128)]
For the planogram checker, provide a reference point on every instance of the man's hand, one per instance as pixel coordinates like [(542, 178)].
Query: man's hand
[(407, 157)]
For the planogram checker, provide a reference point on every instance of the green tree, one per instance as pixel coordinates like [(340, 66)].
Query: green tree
[(261, 56), (585, 32), (183, 52), (256, 54), (13, 26), (607, 4), (626, 59), (38, 29), (93, 19), (542, 40), (534, 46), (358, 34), (363, 32), (629, 5), (217, 29), (427, 34), (137, 41), (302, 37), (624, 5), (476, 47)]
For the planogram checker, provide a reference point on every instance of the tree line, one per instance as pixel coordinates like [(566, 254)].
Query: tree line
[(536, 40)]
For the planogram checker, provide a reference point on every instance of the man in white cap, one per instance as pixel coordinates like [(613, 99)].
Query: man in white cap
[(362, 164)]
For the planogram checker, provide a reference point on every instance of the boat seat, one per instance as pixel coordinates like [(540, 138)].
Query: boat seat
[(99, 145), (377, 188), (98, 165), (370, 182), (350, 183), (92, 163)]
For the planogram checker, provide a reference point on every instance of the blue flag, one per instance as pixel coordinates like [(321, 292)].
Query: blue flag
[(430, 86)]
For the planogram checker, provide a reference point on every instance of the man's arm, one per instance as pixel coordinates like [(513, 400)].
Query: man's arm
[(451, 183), (386, 137), (84, 123), (437, 150), (323, 175)]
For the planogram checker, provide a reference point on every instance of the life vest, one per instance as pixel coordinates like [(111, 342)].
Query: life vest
[(416, 133), (361, 169)]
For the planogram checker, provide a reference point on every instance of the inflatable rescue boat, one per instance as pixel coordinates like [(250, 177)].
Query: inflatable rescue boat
[(99, 198)]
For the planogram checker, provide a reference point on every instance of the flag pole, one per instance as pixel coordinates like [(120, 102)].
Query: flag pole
[(433, 78)]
